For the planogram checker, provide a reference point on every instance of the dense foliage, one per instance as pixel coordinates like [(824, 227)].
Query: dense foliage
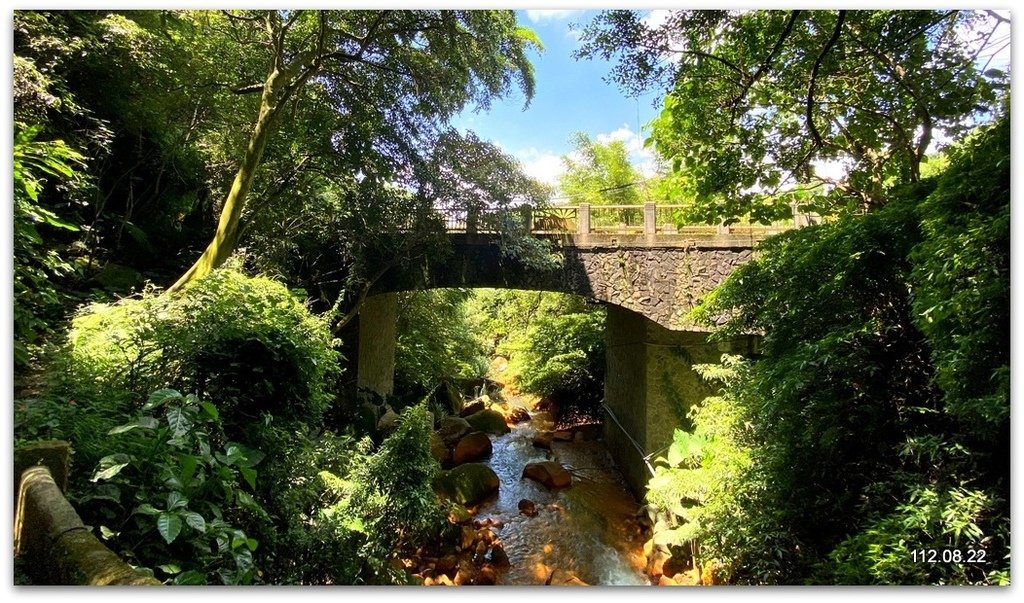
[(761, 100), (435, 342), (554, 343), (847, 445), (246, 342)]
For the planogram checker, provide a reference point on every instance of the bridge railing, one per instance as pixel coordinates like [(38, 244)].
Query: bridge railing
[(583, 219)]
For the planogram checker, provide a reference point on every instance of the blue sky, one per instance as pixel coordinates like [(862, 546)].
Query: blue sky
[(570, 96)]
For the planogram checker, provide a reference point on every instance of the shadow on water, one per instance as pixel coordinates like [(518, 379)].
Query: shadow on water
[(580, 535)]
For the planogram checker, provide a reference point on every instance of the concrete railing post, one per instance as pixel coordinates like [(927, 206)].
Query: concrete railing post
[(527, 211), (650, 219), (583, 225)]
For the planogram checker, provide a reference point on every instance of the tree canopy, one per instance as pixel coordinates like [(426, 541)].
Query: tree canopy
[(761, 101)]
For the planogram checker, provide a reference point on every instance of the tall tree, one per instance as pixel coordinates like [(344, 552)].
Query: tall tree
[(400, 75), (760, 101), (600, 173)]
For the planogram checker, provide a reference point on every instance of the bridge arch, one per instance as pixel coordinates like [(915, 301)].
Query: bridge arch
[(648, 284)]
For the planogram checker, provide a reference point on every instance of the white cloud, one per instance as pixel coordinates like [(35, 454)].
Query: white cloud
[(642, 158), (541, 16), (656, 18), (542, 165)]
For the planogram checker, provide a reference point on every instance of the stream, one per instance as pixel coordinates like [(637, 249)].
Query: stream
[(580, 534)]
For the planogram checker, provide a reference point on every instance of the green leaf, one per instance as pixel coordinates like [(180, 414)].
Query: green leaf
[(176, 500), (142, 423), (195, 521), (191, 577), (146, 509), (170, 568), (210, 410), (109, 466), (188, 465), (249, 475), (107, 533), (160, 397), (178, 421), (169, 526)]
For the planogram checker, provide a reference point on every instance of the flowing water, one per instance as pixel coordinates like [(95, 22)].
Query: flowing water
[(580, 534)]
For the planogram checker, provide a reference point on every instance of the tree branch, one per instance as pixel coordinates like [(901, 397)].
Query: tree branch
[(767, 61), (814, 77)]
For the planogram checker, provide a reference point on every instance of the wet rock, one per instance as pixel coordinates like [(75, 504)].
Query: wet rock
[(543, 404), (543, 439), (438, 450), (549, 473), (487, 576), (446, 564), (467, 537), (488, 421), (467, 484), (528, 508), (563, 436), (481, 548), (666, 581), (518, 415), (588, 432), (472, 408), (657, 555), (453, 428), (498, 556), (473, 446), (676, 564), (443, 580), (388, 421)]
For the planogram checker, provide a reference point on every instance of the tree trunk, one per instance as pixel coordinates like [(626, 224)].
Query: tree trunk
[(226, 237)]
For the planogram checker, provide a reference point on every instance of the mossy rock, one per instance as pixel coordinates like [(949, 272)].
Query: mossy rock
[(467, 484), (488, 421)]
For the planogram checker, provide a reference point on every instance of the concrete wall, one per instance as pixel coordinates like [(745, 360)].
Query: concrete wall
[(378, 322), (663, 280), (650, 387), (50, 540)]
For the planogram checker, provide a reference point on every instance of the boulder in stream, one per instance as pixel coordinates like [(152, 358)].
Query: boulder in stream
[(543, 439), (467, 484), (517, 415), (438, 450), (473, 446), (549, 473), (453, 428), (471, 408), (488, 421), (527, 507)]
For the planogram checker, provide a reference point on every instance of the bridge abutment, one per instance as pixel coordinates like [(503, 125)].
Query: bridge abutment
[(650, 386), (378, 322)]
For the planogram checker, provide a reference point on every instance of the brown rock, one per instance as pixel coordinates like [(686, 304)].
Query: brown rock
[(467, 537), (543, 439), (666, 581), (518, 415), (471, 408), (499, 558), (446, 564), (438, 450), (563, 436), (549, 473), (428, 581), (487, 576), (471, 447), (452, 429), (527, 507), (444, 581), (587, 433), (675, 564)]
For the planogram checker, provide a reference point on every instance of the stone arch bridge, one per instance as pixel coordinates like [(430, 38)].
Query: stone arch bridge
[(649, 276)]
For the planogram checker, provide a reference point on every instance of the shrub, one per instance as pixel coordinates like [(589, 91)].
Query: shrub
[(172, 495), (243, 341)]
